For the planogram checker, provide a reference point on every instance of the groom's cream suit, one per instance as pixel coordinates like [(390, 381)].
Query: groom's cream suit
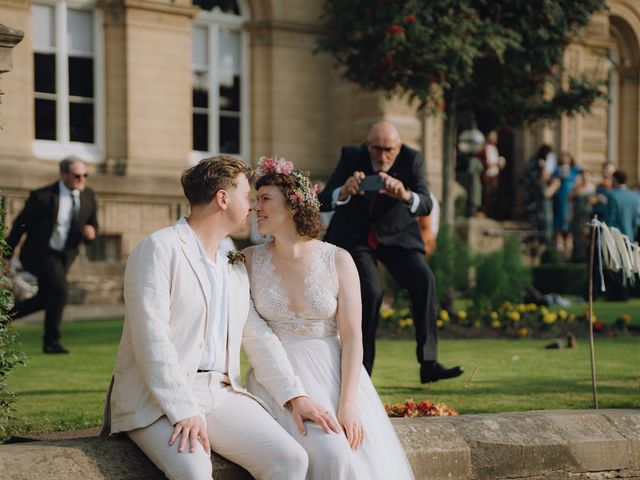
[(167, 296)]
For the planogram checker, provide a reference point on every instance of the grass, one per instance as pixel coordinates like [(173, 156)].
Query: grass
[(65, 392)]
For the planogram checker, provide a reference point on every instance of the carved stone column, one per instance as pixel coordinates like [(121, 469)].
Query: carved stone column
[(9, 38)]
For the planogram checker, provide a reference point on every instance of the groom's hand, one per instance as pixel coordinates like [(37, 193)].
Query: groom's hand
[(193, 429), (302, 408)]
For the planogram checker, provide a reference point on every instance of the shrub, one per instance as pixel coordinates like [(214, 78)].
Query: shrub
[(10, 357), (562, 278), (451, 264)]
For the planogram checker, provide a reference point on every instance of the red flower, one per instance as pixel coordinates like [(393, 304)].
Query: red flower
[(599, 326), (396, 29), (410, 19)]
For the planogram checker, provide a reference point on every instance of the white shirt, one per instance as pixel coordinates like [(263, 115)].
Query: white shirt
[(214, 354), (63, 221)]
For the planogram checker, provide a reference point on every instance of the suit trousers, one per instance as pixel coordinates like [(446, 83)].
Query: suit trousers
[(410, 270), (239, 429), (51, 270)]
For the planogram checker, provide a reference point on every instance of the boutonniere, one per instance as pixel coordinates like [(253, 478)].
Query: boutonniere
[(235, 257)]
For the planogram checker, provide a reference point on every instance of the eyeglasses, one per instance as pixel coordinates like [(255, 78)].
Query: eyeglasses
[(78, 176), (379, 149)]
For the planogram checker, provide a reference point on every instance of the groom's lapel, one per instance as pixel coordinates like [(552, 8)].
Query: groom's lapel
[(191, 251)]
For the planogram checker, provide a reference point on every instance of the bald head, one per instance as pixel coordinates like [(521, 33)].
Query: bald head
[(384, 144)]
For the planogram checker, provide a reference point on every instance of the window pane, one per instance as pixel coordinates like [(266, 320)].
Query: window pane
[(80, 31), (45, 119), (230, 96), (200, 90), (229, 56), (199, 47), (45, 72), (81, 122), (226, 6), (43, 27), (201, 132), (229, 135), (81, 77)]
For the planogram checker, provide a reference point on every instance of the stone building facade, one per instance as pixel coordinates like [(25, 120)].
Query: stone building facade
[(144, 88)]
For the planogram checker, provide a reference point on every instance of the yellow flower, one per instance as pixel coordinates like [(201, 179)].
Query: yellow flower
[(543, 310), (522, 307), (594, 318), (572, 317), (403, 312), (494, 315), (626, 318), (386, 312), (444, 315), (440, 323), (563, 315), (523, 332), (496, 324), (405, 322), (532, 307), (462, 314), (514, 315), (549, 318)]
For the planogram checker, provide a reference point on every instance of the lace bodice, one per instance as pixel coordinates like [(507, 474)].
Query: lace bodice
[(318, 319)]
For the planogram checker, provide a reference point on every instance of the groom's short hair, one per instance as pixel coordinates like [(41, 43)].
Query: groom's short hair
[(201, 182)]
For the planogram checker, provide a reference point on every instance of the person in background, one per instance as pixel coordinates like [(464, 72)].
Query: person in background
[(562, 182), (380, 226), (622, 206), (493, 164), (604, 187), (56, 220), (582, 197)]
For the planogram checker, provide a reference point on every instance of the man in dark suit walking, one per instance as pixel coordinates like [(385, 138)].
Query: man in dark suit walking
[(380, 225), (55, 218)]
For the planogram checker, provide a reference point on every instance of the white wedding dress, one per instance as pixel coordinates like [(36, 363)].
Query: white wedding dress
[(313, 348)]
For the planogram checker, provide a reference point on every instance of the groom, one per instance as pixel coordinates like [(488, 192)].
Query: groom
[(176, 385)]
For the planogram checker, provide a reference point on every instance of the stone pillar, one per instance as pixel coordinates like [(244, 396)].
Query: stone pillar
[(9, 38)]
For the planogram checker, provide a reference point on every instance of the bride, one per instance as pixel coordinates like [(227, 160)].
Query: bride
[(308, 291)]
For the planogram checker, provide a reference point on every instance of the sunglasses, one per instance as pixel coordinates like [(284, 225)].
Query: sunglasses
[(79, 176), (379, 149)]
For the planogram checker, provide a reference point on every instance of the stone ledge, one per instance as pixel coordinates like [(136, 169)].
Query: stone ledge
[(546, 445)]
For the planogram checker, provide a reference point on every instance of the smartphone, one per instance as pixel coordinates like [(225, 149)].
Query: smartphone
[(371, 183)]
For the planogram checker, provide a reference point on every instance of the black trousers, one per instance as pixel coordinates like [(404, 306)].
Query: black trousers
[(410, 270), (51, 270)]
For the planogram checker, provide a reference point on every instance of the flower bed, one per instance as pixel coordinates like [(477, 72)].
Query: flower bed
[(509, 320)]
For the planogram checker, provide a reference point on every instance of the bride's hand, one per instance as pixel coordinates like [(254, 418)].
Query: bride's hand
[(352, 425)]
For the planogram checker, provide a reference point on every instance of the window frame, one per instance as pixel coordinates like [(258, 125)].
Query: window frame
[(214, 21), (63, 146)]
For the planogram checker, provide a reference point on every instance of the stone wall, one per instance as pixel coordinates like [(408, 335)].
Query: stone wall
[(549, 445)]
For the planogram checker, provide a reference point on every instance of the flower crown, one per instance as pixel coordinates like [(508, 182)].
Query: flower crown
[(304, 193)]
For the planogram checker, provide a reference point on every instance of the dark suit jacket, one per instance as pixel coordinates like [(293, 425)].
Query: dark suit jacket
[(391, 220), (38, 219)]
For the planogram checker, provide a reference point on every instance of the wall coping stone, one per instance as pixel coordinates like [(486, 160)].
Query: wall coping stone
[(552, 445)]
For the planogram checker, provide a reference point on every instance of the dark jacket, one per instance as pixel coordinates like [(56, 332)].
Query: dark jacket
[(391, 220), (38, 219)]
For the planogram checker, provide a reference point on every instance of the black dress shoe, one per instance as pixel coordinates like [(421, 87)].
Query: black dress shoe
[(434, 371), (54, 348)]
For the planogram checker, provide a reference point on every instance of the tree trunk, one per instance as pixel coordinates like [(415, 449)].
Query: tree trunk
[(449, 162)]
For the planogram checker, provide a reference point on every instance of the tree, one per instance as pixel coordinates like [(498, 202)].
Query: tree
[(499, 60)]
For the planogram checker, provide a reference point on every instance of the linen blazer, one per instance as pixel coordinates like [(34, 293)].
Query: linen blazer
[(391, 220), (166, 292)]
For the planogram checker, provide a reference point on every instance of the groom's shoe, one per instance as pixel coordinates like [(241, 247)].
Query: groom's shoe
[(434, 371)]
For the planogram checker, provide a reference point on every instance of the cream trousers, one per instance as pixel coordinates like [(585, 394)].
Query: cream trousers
[(239, 429)]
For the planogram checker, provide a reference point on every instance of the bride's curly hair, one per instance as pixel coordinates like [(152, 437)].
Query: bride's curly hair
[(306, 217)]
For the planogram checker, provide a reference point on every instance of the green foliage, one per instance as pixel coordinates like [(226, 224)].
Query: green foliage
[(500, 277), (496, 59), (451, 264), (10, 357), (563, 278)]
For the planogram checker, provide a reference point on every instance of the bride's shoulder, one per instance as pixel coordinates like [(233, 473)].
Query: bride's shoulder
[(248, 253)]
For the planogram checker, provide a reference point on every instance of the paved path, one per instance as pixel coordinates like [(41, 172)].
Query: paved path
[(74, 313)]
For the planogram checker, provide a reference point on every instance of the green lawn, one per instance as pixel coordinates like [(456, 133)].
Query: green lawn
[(66, 391)]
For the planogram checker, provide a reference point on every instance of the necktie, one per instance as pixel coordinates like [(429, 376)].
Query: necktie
[(72, 235)]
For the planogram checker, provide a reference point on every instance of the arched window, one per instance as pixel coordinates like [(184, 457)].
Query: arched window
[(219, 66), (68, 88)]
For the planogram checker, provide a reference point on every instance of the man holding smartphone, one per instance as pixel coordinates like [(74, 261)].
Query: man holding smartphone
[(377, 190)]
